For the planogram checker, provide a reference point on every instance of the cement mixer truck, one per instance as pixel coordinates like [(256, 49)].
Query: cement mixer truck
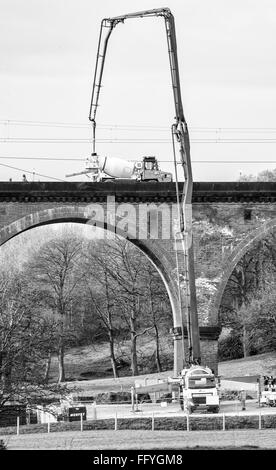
[(198, 389), (100, 168)]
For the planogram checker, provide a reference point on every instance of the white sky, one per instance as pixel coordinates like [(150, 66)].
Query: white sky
[(227, 65)]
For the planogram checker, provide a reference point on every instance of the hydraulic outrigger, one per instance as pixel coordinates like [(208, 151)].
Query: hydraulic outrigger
[(184, 242)]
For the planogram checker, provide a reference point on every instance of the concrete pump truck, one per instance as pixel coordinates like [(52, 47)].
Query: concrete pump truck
[(196, 382)]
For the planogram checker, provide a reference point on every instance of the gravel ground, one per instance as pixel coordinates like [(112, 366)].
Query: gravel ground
[(101, 440), (232, 407)]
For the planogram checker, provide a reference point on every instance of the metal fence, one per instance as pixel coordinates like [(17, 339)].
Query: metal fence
[(154, 421)]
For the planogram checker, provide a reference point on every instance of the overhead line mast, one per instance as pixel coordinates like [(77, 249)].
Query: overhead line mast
[(180, 134)]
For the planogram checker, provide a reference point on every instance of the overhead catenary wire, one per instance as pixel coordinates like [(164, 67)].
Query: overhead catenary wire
[(218, 139), (218, 135), (134, 126), (135, 140), (31, 172), (77, 159)]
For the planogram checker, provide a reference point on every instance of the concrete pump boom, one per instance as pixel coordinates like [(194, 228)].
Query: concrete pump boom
[(187, 293)]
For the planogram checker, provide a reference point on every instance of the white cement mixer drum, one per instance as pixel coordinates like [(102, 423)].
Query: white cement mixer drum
[(116, 167)]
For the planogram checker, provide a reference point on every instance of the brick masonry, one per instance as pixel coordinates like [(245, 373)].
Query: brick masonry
[(227, 219)]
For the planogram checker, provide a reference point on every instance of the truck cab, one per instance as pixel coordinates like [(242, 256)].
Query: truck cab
[(198, 389), (148, 170)]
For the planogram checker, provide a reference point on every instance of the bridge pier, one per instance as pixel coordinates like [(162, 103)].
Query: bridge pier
[(208, 346), (178, 354)]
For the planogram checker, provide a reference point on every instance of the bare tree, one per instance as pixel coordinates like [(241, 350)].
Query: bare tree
[(130, 288), (159, 310), (126, 269), (102, 294), (251, 280), (265, 175), (57, 273), (24, 338)]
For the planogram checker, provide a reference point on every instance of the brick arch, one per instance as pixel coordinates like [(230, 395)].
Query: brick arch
[(153, 249), (241, 249)]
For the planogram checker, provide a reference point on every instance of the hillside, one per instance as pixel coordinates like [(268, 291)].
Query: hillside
[(92, 362), (89, 368), (261, 364)]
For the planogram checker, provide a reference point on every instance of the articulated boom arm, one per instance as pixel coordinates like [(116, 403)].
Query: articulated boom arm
[(179, 128), (108, 24), (181, 135)]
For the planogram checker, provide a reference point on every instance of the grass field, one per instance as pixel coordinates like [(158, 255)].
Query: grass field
[(263, 364), (101, 440)]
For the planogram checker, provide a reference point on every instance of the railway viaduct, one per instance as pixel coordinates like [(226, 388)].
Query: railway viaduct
[(227, 219)]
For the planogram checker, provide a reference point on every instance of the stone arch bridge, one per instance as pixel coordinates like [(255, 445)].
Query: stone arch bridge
[(227, 219)]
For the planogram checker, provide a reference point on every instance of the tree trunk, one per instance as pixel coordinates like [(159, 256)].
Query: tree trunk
[(112, 356), (47, 367), (244, 341), (133, 351), (133, 336), (157, 351), (157, 344), (133, 346), (61, 376), (7, 377), (5, 371), (243, 305), (110, 330), (1, 366)]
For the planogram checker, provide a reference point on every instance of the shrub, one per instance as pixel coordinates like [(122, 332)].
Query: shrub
[(2, 445), (230, 347)]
